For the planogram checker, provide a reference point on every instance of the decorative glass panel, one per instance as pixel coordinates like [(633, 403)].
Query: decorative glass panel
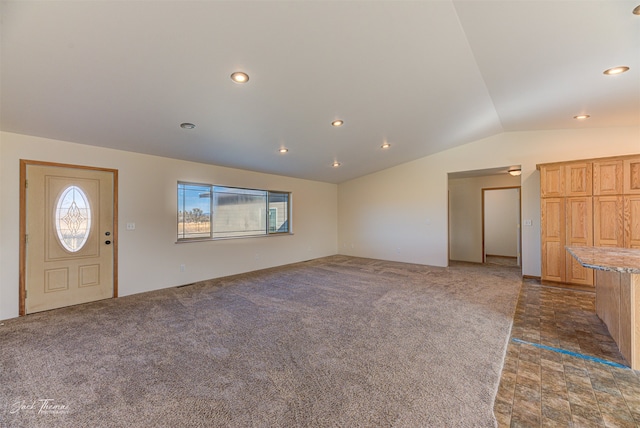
[(73, 218)]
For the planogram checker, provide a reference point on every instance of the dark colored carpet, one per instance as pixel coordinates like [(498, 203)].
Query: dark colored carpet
[(338, 341)]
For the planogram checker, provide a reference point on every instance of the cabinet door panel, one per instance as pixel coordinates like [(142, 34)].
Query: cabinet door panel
[(607, 178), (632, 221), (552, 180), (632, 176), (578, 179), (579, 214), (608, 225), (553, 239)]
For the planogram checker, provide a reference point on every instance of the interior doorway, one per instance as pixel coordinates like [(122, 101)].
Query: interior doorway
[(501, 237), (466, 211)]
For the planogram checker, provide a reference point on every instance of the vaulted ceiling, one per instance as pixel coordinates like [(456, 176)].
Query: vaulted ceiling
[(423, 76)]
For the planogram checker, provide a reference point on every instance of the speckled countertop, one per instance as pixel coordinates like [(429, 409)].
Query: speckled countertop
[(625, 260)]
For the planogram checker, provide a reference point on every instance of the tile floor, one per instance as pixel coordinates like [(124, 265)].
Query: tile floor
[(541, 387)]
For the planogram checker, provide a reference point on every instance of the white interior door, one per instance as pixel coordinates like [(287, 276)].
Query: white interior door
[(70, 236)]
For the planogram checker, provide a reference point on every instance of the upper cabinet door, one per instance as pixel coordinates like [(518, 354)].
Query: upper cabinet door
[(578, 179), (632, 176), (608, 224), (552, 181), (607, 177)]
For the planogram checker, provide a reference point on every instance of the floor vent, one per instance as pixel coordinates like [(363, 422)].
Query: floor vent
[(185, 285)]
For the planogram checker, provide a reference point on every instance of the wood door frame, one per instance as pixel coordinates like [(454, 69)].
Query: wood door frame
[(24, 163), (520, 219)]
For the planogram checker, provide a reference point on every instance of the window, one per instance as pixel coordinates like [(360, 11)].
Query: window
[(209, 212), (194, 211), (73, 218), (278, 212)]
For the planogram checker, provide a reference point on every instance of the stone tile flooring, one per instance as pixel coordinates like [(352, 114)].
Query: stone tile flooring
[(541, 387)]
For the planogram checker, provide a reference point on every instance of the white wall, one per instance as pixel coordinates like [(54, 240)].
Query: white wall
[(149, 257), (401, 213), (501, 220), (465, 213)]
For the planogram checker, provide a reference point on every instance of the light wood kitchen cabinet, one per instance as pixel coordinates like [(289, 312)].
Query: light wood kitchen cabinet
[(608, 221), (592, 202), (632, 221), (552, 181), (578, 179), (571, 179), (632, 176), (607, 177), (579, 232), (553, 239)]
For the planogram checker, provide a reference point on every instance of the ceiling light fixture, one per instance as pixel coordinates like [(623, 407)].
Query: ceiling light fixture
[(337, 122), (616, 70), (335, 164), (385, 146), (636, 10), (283, 150), (582, 116), (240, 77), (187, 125), (515, 171)]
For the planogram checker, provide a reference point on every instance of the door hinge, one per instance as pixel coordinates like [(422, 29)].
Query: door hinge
[(26, 238), (26, 183)]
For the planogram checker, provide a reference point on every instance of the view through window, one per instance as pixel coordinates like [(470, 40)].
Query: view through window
[(207, 212)]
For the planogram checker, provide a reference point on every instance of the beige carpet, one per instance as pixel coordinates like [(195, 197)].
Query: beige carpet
[(338, 341)]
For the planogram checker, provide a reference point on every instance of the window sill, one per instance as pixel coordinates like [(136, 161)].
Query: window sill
[(230, 238)]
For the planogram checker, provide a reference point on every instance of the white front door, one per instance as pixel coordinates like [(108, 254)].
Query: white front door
[(70, 236)]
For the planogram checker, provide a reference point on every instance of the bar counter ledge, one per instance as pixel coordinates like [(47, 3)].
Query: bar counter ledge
[(617, 294)]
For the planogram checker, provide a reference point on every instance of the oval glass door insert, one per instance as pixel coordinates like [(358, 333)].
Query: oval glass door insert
[(73, 218)]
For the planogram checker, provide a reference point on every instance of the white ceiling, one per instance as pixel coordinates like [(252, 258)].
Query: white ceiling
[(422, 75)]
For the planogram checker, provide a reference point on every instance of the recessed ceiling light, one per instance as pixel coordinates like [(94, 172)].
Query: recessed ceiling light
[(240, 77), (283, 150), (385, 146), (337, 122), (616, 70), (335, 164), (187, 125), (582, 116), (636, 10)]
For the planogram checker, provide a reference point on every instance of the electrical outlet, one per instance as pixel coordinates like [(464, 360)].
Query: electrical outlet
[(182, 268), (527, 222), (131, 226)]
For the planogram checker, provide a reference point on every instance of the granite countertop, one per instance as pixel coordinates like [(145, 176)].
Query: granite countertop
[(626, 260)]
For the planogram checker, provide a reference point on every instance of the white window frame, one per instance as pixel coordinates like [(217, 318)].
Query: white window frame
[(181, 236)]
